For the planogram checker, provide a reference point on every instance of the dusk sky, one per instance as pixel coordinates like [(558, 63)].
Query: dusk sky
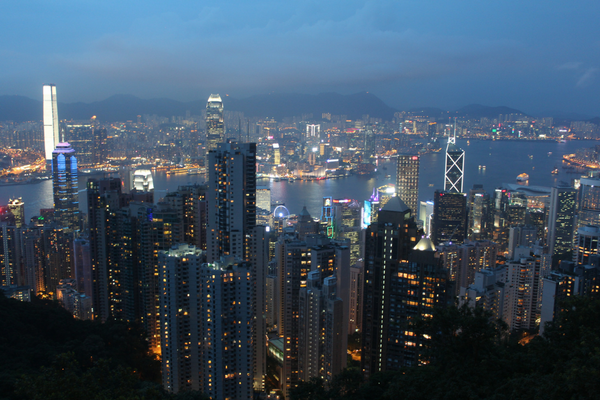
[(536, 56)]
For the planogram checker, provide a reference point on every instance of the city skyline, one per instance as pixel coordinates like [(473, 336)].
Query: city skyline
[(441, 56)]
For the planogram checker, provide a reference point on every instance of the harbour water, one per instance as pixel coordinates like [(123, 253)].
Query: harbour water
[(500, 161)]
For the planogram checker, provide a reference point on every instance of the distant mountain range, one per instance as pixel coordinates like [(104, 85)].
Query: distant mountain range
[(127, 107)]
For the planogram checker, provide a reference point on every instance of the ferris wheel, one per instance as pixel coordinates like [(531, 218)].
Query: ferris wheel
[(281, 212)]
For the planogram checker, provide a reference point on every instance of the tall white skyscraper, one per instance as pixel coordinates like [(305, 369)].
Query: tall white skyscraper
[(215, 127), (51, 130), (455, 164)]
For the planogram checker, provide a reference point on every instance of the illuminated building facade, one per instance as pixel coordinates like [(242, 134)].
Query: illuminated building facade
[(407, 180), (455, 167), (589, 202), (449, 217), (17, 208), (65, 186), (563, 201), (215, 126), (403, 279), (51, 128), (231, 199), (206, 324), (587, 243)]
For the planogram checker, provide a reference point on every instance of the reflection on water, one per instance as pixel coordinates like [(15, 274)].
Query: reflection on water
[(500, 161)]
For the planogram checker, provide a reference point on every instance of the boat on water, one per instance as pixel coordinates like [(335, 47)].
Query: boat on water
[(554, 171), (522, 177)]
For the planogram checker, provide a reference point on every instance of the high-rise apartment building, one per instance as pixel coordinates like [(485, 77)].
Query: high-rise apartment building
[(563, 202), (51, 128), (320, 339), (407, 181), (449, 217), (231, 199), (65, 186), (206, 324), (215, 127), (523, 289), (455, 167), (403, 279)]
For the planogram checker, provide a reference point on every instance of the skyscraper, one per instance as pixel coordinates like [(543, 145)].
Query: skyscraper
[(215, 127), (231, 199), (560, 220), (51, 129), (449, 217), (455, 166), (403, 280), (206, 324), (17, 208), (65, 186), (407, 181)]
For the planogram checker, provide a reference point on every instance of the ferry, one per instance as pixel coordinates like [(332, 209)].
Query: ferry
[(523, 177)]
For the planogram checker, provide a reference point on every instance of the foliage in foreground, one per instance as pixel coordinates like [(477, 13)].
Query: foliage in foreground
[(47, 354), (472, 357)]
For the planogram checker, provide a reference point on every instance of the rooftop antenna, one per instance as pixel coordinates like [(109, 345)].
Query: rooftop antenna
[(453, 138)]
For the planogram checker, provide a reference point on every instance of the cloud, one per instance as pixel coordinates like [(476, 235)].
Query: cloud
[(215, 50), (569, 65), (587, 77)]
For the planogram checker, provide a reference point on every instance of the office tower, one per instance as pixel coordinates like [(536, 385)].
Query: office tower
[(231, 199), (330, 217), (480, 224), (215, 128), (589, 202), (449, 217), (142, 180), (407, 181), (263, 198), (320, 340), (51, 128), (455, 166), (403, 280), (80, 135), (464, 260), (17, 208), (586, 244), (65, 186), (206, 324), (276, 154), (560, 220), (523, 289)]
